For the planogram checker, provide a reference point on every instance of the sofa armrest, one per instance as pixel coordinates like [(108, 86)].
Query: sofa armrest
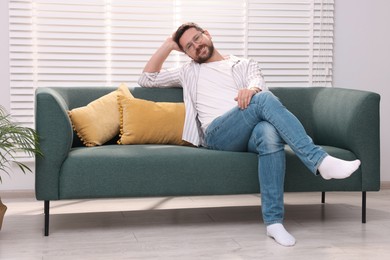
[(349, 119), (55, 136)]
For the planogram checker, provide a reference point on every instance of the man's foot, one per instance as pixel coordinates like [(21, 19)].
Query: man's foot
[(335, 168), (280, 234)]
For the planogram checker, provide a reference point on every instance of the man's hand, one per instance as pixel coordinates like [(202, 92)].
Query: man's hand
[(244, 97), (173, 45)]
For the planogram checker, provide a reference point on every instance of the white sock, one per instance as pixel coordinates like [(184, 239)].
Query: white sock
[(280, 234), (332, 167)]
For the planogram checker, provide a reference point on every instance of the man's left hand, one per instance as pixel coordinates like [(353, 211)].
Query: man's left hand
[(244, 97)]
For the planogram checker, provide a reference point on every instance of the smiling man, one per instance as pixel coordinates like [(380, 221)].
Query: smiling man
[(228, 107)]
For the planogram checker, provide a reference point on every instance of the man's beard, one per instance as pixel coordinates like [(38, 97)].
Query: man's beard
[(209, 53)]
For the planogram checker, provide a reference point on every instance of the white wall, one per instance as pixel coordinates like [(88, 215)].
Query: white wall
[(362, 57), (361, 61)]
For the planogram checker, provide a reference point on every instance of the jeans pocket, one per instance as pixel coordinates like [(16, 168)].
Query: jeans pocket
[(210, 136)]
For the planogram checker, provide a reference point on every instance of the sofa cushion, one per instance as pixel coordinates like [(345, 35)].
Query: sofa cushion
[(140, 170), (148, 122), (155, 170), (98, 122)]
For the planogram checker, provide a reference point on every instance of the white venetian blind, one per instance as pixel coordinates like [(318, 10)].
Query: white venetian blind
[(21, 46), (225, 21), (292, 39), (106, 42), (55, 43), (323, 25), (136, 28)]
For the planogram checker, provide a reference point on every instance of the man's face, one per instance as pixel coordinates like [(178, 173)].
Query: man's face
[(197, 45)]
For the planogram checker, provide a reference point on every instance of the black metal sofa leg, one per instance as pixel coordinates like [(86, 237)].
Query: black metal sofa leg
[(363, 207), (47, 215), (47, 210), (364, 204)]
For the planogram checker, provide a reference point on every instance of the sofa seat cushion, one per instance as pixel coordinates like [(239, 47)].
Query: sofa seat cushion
[(168, 170), (155, 170)]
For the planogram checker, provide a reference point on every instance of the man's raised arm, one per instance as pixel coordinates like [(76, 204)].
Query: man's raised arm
[(153, 76), (158, 58)]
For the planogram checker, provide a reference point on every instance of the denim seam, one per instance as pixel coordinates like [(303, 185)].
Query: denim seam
[(274, 222)]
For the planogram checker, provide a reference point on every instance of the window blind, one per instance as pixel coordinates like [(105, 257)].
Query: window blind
[(106, 42), (225, 21), (292, 40), (135, 30)]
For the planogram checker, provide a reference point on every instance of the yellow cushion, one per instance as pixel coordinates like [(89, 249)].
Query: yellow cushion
[(98, 122), (148, 122)]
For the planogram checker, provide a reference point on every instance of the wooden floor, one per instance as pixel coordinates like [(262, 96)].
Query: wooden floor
[(212, 227)]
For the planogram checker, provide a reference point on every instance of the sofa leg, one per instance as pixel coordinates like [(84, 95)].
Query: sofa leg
[(47, 214), (363, 207), (323, 197)]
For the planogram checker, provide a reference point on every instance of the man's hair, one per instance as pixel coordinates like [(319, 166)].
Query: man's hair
[(182, 29)]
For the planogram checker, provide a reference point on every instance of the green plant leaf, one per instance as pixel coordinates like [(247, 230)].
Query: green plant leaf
[(13, 140)]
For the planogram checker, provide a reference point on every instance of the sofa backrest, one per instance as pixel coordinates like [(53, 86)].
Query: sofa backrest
[(292, 98), (312, 106), (158, 94), (80, 96)]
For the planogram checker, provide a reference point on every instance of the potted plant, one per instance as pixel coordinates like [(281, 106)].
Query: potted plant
[(13, 140)]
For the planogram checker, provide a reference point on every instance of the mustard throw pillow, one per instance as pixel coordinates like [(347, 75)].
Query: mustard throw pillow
[(98, 122), (148, 122)]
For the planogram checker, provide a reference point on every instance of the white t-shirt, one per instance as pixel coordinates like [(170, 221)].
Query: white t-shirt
[(216, 91)]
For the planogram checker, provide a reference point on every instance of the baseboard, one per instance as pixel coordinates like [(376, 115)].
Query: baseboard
[(385, 185), (14, 194)]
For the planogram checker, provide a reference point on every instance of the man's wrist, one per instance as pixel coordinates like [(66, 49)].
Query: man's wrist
[(255, 89)]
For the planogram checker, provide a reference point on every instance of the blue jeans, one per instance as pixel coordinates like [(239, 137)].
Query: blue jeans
[(264, 128)]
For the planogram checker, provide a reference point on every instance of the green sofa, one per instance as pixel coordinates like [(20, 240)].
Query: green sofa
[(344, 122)]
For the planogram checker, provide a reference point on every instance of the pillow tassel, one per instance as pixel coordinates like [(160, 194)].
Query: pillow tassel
[(77, 132), (120, 119)]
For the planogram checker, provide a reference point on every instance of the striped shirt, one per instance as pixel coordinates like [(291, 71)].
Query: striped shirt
[(246, 74)]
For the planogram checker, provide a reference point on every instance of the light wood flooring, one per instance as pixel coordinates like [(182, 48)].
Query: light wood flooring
[(207, 227)]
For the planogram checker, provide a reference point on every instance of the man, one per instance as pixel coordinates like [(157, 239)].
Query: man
[(228, 107)]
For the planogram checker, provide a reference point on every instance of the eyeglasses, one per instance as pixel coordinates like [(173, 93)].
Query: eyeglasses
[(196, 39)]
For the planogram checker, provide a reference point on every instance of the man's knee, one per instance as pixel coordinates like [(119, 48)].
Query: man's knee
[(267, 138), (263, 95), (264, 98)]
